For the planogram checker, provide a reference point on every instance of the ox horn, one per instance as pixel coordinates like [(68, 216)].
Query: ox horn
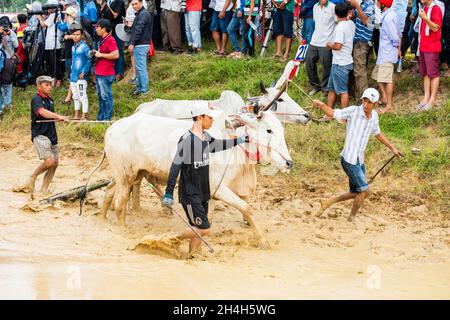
[(280, 92), (262, 87)]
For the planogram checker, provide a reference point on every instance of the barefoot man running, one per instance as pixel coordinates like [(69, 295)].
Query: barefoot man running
[(43, 134), (362, 122)]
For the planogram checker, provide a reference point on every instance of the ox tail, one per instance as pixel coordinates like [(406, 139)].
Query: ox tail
[(84, 192)]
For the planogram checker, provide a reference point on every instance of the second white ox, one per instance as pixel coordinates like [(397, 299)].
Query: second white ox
[(285, 108), (143, 146)]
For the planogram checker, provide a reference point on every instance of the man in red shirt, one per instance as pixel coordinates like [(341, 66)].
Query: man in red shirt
[(104, 69), (430, 47)]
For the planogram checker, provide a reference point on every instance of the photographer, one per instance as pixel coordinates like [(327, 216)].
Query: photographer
[(53, 38), (9, 44)]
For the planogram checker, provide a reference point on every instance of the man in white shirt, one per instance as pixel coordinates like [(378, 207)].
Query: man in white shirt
[(342, 48), (362, 122), (325, 22), (52, 43)]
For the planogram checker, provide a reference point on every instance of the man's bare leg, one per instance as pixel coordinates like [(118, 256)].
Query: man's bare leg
[(37, 172), (195, 242), (53, 164), (331, 98), (357, 203), (288, 48), (426, 90), (389, 94), (434, 89), (344, 100), (325, 204), (216, 37), (279, 44), (224, 42)]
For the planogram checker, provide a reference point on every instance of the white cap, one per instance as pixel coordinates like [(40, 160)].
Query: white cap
[(371, 94), (52, 2), (35, 6), (71, 11), (203, 108)]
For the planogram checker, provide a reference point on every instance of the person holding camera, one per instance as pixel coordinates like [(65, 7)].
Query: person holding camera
[(8, 46), (104, 69), (53, 37)]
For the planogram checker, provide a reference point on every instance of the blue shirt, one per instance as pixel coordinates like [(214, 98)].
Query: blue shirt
[(80, 61), (364, 32), (389, 37), (2, 59), (90, 11)]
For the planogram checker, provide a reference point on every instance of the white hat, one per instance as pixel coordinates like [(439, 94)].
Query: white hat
[(371, 94), (121, 33), (203, 108), (71, 11), (52, 2), (35, 6)]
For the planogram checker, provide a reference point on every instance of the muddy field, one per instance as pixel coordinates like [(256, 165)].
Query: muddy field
[(397, 248)]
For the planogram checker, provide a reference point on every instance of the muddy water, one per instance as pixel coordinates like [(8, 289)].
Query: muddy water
[(56, 254)]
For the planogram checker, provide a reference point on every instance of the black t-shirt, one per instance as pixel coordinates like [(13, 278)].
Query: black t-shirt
[(118, 6), (47, 129), (192, 158)]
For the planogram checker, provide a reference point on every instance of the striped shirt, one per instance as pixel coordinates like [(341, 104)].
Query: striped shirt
[(364, 32), (359, 130)]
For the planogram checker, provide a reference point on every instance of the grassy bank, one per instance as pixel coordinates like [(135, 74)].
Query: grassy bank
[(315, 147)]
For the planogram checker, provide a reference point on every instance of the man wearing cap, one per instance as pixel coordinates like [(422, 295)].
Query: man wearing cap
[(192, 160), (43, 134), (104, 69), (362, 122)]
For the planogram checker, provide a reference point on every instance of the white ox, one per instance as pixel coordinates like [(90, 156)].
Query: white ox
[(285, 108), (143, 146)]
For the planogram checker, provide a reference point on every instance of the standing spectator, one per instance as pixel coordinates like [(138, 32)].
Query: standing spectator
[(446, 37), (306, 13), (251, 9), (430, 26), (71, 14), (376, 28), (9, 44), (81, 64), (21, 52), (365, 14), (104, 69), (118, 10), (52, 43), (388, 53), (192, 20), (237, 23), (170, 26), (325, 21), (141, 33), (283, 20), (342, 62), (220, 20), (90, 11)]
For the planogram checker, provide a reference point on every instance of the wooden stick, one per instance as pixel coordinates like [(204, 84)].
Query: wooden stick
[(75, 120)]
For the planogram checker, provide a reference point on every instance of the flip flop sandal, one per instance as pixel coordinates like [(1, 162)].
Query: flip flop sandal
[(420, 106)]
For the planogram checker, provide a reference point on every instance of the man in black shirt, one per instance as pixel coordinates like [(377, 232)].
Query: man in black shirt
[(43, 134), (192, 160), (118, 10)]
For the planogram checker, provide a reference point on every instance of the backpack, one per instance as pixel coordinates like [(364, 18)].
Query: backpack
[(8, 73)]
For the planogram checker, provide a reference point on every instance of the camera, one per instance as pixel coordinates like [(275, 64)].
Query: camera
[(45, 9)]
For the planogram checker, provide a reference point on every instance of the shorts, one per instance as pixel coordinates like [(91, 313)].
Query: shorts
[(221, 24), (429, 64), (356, 176), (197, 214), (383, 73), (338, 80), (282, 23), (45, 148)]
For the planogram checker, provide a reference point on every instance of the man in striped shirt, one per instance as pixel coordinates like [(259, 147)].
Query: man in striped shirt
[(362, 122), (365, 14)]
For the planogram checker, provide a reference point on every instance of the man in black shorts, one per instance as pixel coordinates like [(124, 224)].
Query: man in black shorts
[(192, 159), (43, 134)]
